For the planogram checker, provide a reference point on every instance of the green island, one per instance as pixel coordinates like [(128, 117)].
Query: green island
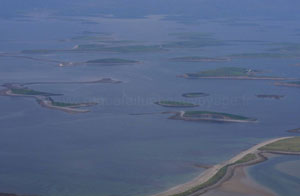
[(175, 104), (199, 59), (43, 98), (230, 73), (195, 95), (288, 84), (270, 96), (69, 105), (29, 92), (210, 116), (220, 173), (112, 61)]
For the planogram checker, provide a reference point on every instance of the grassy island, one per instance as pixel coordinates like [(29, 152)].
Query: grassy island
[(194, 95), (230, 73), (111, 61), (175, 104), (271, 96), (210, 116), (198, 59), (29, 92)]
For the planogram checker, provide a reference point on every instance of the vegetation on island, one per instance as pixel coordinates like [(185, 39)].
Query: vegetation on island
[(30, 92), (224, 72), (175, 104), (195, 95), (218, 176), (213, 115), (198, 59), (111, 61), (285, 145), (271, 96)]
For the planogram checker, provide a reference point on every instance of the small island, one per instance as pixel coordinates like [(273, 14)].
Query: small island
[(175, 104), (210, 116), (195, 95), (43, 98), (199, 59), (288, 84), (230, 73), (270, 96), (112, 61)]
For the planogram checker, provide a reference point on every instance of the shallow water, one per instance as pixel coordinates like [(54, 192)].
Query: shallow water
[(108, 151), (280, 174)]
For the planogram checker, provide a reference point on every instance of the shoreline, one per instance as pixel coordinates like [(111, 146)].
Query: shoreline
[(210, 173)]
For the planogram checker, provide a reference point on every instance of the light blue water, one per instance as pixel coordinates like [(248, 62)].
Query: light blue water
[(280, 173), (108, 151)]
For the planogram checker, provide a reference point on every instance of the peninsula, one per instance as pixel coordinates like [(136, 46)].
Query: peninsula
[(230, 73), (175, 104), (209, 116), (220, 173)]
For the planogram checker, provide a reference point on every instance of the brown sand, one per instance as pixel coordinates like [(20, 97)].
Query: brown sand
[(240, 185)]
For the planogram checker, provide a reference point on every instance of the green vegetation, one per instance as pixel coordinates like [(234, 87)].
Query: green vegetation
[(111, 61), (224, 72), (285, 145), (175, 104), (246, 158), (27, 91), (62, 104), (218, 176), (198, 59), (194, 95), (216, 115)]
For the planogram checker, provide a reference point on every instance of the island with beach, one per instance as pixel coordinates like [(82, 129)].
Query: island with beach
[(209, 116), (230, 73), (45, 98)]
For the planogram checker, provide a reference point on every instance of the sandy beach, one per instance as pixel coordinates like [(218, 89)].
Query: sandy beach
[(209, 173)]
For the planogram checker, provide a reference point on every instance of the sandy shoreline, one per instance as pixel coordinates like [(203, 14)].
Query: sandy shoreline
[(209, 173)]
